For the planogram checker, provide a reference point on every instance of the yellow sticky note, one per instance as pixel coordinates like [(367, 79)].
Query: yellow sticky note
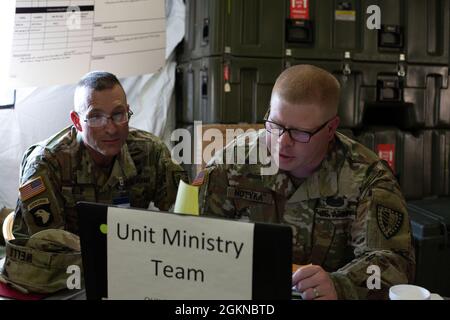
[(187, 199)]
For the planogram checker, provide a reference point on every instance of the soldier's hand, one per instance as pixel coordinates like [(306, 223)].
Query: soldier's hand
[(314, 283)]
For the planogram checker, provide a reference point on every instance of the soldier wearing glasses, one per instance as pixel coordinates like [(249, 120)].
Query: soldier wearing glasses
[(98, 159), (343, 203)]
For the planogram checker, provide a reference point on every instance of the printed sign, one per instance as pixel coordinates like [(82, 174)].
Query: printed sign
[(299, 9), (167, 256), (387, 152)]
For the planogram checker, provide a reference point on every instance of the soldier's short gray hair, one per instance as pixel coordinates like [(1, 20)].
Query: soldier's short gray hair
[(96, 81)]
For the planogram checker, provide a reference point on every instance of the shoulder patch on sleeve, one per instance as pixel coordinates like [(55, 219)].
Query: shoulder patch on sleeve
[(389, 221), (42, 215), (198, 181), (38, 203), (31, 188)]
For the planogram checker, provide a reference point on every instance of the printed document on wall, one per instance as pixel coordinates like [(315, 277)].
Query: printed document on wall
[(58, 41)]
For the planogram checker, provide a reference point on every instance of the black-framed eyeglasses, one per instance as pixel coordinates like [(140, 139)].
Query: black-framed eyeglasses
[(294, 134), (100, 120)]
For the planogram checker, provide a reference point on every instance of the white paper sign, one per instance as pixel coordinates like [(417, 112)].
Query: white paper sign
[(154, 255), (58, 41)]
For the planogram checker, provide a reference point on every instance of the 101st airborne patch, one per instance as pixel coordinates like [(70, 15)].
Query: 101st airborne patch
[(41, 212), (389, 221)]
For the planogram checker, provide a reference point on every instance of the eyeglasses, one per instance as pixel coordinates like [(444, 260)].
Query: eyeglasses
[(294, 134), (100, 120)]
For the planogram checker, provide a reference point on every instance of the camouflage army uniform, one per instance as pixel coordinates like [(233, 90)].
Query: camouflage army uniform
[(348, 215), (143, 172)]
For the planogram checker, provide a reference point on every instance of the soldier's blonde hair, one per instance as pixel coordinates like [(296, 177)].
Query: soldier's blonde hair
[(309, 85)]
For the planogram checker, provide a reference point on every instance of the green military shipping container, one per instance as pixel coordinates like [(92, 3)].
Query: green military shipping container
[(314, 31), (430, 223), (414, 96), (428, 24), (225, 89), (441, 163), (408, 154), (387, 42), (326, 29), (246, 28)]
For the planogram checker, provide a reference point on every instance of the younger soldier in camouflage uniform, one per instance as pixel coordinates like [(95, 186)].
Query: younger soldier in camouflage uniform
[(94, 160), (343, 203)]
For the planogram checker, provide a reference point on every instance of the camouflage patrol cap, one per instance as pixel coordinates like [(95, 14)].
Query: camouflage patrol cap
[(39, 263)]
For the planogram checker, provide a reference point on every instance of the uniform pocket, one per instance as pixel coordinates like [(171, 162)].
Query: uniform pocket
[(262, 213), (139, 196), (331, 243), (73, 194), (323, 236)]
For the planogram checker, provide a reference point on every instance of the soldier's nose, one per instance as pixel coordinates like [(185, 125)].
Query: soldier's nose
[(110, 127), (285, 139)]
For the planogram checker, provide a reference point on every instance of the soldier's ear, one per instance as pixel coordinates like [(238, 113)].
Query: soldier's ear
[(76, 121), (333, 125)]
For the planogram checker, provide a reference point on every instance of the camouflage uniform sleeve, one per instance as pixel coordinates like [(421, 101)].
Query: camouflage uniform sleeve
[(213, 201), (168, 176), (40, 205), (381, 237)]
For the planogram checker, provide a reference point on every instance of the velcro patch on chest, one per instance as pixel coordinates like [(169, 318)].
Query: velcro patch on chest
[(335, 214), (198, 181), (336, 208), (249, 195)]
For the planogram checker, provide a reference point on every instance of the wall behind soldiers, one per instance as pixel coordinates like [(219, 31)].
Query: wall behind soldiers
[(41, 112)]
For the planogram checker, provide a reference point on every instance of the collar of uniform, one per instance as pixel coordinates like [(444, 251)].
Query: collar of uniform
[(84, 169), (77, 136), (127, 163), (123, 167), (278, 182), (324, 181)]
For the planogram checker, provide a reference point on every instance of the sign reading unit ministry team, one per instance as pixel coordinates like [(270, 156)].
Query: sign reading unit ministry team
[(157, 256)]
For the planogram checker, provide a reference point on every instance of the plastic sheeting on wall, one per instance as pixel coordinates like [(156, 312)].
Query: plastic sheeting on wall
[(41, 112)]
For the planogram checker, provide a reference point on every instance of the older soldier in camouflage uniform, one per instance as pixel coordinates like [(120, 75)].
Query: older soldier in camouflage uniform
[(343, 203), (98, 159)]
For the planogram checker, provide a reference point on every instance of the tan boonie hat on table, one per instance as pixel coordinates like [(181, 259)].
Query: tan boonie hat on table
[(39, 264)]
